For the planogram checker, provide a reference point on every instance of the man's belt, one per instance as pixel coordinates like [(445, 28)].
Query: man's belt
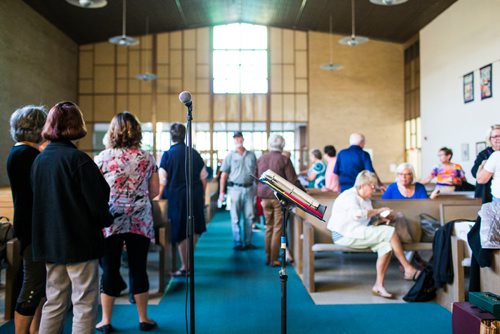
[(244, 185)]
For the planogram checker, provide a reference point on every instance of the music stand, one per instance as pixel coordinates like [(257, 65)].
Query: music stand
[(289, 195)]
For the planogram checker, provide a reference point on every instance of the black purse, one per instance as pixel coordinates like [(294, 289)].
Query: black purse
[(423, 290)]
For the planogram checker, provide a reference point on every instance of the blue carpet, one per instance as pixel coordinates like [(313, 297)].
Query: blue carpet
[(237, 293)]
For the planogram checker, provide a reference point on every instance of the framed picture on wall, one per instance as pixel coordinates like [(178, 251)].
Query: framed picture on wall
[(469, 87), (480, 145), (485, 74)]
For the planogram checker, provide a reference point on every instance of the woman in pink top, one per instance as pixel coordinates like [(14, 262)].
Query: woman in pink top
[(331, 159)]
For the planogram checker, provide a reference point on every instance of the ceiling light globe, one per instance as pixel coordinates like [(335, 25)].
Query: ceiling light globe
[(388, 2)]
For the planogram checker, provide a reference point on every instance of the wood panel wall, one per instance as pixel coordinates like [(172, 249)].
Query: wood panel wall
[(182, 61), (289, 79)]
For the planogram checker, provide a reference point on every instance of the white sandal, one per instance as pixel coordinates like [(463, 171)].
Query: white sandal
[(382, 292)]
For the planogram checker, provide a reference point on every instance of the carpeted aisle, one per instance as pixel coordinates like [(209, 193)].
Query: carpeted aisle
[(237, 293)]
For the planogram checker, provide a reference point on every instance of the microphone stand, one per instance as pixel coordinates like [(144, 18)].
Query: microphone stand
[(189, 119), (285, 205)]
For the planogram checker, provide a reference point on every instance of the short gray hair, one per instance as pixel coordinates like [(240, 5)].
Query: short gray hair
[(26, 123), (276, 142), (405, 165), (365, 177), (356, 139)]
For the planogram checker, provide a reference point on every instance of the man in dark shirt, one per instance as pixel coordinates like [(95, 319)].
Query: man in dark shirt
[(350, 162)]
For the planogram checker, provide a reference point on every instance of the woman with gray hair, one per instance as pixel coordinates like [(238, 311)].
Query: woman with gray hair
[(26, 125), (354, 223), (281, 165), (405, 186)]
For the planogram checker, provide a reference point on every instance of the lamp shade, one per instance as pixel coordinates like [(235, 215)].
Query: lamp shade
[(88, 3), (388, 2)]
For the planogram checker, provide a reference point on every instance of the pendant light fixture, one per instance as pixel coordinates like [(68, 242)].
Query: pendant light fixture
[(331, 66), (388, 2), (124, 40), (146, 76), (353, 40), (88, 3)]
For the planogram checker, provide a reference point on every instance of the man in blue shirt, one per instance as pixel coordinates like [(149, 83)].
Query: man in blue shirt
[(350, 162)]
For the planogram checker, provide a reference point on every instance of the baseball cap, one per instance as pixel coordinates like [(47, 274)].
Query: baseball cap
[(237, 134)]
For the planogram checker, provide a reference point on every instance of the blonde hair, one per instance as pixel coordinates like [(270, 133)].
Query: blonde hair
[(365, 177)]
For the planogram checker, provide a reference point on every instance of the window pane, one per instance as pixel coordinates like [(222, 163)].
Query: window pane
[(227, 36), (253, 36), (240, 59)]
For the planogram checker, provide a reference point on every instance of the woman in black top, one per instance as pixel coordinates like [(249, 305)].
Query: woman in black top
[(70, 205), (26, 125), (483, 191)]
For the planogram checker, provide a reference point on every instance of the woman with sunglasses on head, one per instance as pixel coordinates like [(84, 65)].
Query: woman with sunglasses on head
[(483, 191)]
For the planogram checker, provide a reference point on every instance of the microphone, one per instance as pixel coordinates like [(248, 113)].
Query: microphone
[(185, 98)]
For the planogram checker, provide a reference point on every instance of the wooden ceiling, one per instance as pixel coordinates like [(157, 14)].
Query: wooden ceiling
[(395, 24)]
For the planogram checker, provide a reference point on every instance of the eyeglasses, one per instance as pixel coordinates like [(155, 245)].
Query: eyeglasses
[(494, 137), (405, 174)]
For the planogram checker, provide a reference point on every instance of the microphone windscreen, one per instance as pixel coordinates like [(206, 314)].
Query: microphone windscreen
[(185, 97)]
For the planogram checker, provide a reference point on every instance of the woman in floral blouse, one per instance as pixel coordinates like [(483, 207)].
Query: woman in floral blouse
[(133, 178)]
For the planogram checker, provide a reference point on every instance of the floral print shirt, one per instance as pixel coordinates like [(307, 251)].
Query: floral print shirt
[(128, 171)]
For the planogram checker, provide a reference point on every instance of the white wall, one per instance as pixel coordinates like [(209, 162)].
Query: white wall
[(462, 39)]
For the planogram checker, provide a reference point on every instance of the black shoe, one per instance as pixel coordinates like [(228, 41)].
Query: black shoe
[(238, 248), (250, 247), (146, 326), (105, 328)]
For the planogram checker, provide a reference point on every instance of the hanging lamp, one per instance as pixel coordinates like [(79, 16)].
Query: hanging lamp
[(331, 66), (388, 2), (88, 3), (124, 40), (146, 76), (353, 40)]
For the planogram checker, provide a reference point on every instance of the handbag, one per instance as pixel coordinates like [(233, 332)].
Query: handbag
[(6, 234), (423, 290), (429, 226)]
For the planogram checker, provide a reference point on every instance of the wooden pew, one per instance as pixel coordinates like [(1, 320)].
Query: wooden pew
[(211, 197), (310, 249), (13, 277), (167, 258), (490, 277), (453, 211), (455, 291), (6, 203), (316, 237)]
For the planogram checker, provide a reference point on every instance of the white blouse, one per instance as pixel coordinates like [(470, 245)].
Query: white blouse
[(350, 215)]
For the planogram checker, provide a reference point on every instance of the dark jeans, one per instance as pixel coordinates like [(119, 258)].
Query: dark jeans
[(137, 250)]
